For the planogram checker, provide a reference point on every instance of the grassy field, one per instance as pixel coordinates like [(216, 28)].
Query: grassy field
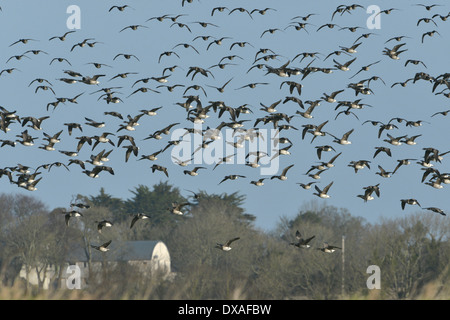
[(436, 290)]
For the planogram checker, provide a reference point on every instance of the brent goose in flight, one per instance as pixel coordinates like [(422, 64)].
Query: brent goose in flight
[(119, 8), (259, 182), (176, 208), (219, 9), (410, 202), (323, 193), (321, 149), (102, 224), (193, 172), (437, 210), (159, 168), (358, 165), (71, 214), (306, 186), (227, 245), (382, 149), (231, 177), (328, 248), (139, 216), (63, 37), (103, 247), (394, 52), (283, 176), (344, 140), (383, 173), (301, 242), (402, 162)]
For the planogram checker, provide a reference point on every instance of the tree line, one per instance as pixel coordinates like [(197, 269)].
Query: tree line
[(412, 252)]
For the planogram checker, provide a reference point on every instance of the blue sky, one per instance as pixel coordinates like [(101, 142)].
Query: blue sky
[(27, 19)]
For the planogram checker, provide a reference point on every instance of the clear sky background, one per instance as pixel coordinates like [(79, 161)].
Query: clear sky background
[(416, 101)]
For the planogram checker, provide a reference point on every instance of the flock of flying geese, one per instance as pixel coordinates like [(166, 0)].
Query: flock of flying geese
[(197, 111)]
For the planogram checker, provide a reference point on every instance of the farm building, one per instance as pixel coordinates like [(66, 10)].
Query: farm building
[(147, 256)]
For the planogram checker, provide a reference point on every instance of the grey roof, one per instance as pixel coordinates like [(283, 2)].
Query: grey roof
[(119, 251)]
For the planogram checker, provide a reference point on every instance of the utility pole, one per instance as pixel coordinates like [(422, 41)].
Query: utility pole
[(343, 267)]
